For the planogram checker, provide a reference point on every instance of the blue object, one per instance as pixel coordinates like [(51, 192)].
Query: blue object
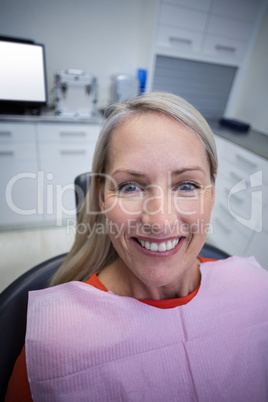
[(142, 76)]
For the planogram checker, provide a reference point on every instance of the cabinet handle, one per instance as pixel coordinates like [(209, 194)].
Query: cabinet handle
[(246, 161), (72, 152), (223, 48), (6, 153), (73, 134), (223, 226), (5, 133), (183, 41)]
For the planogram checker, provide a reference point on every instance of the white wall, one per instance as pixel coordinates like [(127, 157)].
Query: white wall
[(107, 37), (249, 101), (103, 37)]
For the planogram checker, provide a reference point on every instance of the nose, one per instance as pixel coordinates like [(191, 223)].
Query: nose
[(158, 212)]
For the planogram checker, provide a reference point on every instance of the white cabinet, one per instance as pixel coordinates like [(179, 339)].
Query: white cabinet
[(18, 175), (229, 27), (180, 28), (259, 242), (212, 30), (38, 163), (241, 200), (65, 151)]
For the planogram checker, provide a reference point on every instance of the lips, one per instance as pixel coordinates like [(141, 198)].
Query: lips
[(161, 247)]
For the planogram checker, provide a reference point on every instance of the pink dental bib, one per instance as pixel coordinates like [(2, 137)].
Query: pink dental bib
[(83, 344)]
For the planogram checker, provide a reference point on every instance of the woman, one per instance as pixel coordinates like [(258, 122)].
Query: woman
[(157, 322)]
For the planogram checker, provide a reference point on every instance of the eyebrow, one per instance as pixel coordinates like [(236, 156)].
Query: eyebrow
[(174, 173), (130, 172), (186, 169)]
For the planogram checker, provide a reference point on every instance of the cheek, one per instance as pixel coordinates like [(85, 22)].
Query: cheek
[(131, 207), (193, 208), (119, 217), (122, 208)]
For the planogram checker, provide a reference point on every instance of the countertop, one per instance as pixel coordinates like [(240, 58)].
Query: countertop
[(51, 118), (252, 140)]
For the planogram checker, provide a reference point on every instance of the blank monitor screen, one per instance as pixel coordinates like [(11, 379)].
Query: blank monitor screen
[(22, 72)]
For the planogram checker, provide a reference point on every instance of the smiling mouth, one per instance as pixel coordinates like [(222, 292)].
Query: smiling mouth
[(162, 247)]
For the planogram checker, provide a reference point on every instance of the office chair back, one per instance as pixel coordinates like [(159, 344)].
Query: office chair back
[(81, 184), (13, 311)]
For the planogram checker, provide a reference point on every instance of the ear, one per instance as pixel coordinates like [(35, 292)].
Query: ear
[(101, 194), (213, 189)]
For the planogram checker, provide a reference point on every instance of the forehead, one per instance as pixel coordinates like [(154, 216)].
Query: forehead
[(154, 135)]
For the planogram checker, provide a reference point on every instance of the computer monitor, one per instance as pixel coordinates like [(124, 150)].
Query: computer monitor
[(23, 85)]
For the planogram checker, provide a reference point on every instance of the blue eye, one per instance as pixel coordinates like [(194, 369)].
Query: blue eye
[(128, 188), (187, 186)]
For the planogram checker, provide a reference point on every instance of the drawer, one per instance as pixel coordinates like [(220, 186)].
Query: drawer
[(241, 186), (63, 163), (227, 233), (195, 4), (233, 157), (68, 132), (227, 240), (226, 49), (16, 132), (52, 152), (243, 215), (179, 39), (14, 153)]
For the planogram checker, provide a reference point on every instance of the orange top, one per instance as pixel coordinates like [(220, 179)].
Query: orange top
[(168, 303), (18, 386)]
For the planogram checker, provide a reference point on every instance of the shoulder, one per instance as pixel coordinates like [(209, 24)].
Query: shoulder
[(242, 275), (62, 298), (236, 264)]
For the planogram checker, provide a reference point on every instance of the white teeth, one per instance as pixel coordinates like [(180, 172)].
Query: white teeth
[(162, 247), (159, 247), (175, 242), (169, 245), (154, 247)]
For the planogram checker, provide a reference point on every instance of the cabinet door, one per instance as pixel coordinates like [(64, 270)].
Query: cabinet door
[(18, 176), (182, 17), (244, 10), (229, 28), (209, 30), (18, 186), (241, 198), (63, 157)]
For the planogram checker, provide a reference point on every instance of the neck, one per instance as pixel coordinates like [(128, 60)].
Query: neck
[(123, 282)]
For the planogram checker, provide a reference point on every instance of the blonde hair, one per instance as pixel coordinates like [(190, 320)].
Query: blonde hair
[(91, 251)]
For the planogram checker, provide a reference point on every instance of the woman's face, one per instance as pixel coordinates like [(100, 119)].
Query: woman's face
[(157, 198)]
